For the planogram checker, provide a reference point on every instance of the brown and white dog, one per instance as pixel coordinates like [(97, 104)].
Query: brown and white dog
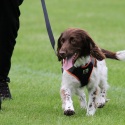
[(83, 64)]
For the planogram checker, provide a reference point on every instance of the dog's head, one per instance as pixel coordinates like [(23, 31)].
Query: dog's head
[(74, 43)]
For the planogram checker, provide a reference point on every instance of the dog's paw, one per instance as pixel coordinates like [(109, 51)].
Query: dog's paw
[(101, 103), (69, 112), (91, 111)]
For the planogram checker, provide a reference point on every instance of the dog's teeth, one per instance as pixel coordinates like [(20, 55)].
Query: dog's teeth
[(74, 56)]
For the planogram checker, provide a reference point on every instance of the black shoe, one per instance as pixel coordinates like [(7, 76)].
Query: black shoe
[(4, 89)]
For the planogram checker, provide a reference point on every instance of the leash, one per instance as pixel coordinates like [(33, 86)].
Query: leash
[(48, 26)]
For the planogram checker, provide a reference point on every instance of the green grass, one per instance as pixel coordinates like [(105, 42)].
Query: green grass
[(36, 73)]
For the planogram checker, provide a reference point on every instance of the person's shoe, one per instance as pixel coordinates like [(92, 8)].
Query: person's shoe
[(4, 89)]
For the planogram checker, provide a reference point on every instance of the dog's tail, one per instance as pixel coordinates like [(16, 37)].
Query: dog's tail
[(120, 55)]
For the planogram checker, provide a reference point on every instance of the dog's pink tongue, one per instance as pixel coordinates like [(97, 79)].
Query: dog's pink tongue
[(67, 63)]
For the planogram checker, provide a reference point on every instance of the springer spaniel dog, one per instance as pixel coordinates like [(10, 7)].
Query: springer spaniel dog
[(83, 64)]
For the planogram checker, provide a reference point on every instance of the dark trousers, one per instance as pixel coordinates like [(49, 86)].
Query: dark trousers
[(9, 25)]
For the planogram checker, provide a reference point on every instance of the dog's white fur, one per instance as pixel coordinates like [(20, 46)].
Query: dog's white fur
[(97, 86)]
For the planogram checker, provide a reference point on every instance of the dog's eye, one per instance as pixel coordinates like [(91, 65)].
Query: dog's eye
[(73, 41), (62, 41)]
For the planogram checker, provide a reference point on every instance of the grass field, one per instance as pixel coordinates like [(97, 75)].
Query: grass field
[(36, 73)]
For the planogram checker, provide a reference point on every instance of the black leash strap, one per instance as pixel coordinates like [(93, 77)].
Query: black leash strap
[(48, 26)]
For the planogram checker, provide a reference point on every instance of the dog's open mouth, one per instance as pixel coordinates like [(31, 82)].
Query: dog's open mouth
[(69, 61)]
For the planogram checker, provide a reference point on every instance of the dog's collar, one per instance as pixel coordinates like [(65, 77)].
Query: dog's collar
[(82, 73)]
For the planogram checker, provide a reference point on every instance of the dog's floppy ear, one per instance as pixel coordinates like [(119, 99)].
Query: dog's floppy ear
[(59, 46), (95, 51)]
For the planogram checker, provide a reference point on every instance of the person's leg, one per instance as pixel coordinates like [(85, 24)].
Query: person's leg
[(9, 25), (0, 102)]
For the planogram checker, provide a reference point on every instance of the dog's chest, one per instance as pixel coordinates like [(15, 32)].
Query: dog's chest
[(81, 73)]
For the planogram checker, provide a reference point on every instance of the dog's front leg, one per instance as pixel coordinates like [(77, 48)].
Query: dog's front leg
[(82, 98), (67, 101), (93, 94), (102, 96)]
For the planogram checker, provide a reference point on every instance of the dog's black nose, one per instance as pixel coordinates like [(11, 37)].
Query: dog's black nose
[(62, 54)]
